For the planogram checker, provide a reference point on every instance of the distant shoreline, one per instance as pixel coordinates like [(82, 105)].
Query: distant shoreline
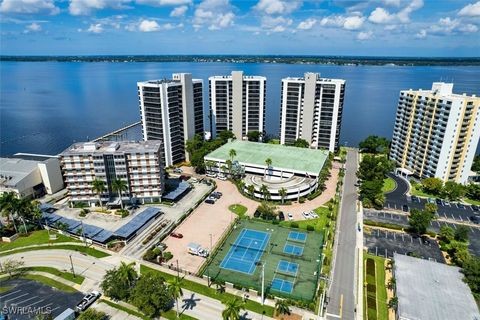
[(324, 60)]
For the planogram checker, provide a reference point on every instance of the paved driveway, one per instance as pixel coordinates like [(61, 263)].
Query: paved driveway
[(27, 297)]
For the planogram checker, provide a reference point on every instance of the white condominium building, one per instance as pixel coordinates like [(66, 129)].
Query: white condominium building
[(172, 111), (436, 132), (237, 104), (312, 110), (138, 164)]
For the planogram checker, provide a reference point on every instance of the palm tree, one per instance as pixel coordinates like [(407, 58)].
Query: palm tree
[(232, 309), (251, 190), (8, 206), (223, 169), (393, 303), (283, 193), (391, 283), (266, 193), (210, 164), (24, 208), (232, 153), (127, 273), (119, 186), (282, 307), (268, 162), (175, 290), (98, 186), (229, 166)]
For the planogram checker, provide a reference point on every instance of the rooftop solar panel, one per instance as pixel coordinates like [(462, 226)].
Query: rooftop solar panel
[(129, 229), (103, 236), (179, 189)]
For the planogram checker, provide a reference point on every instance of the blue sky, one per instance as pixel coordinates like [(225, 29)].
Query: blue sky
[(316, 27)]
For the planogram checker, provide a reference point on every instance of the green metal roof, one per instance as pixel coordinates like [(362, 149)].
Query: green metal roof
[(283, 157)]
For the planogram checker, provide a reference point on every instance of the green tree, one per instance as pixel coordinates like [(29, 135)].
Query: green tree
[(461, 234), (118, 282), (98, 186), (229, 166), (267, 211), (374, 168), (447, 234), (432, 185), (459, 252), (282, 307), (8, 206), (210, 165), (174, 286), (283, 193), (471, 271), (150, 295), (251, 190), (476, 164), (453, 191), (232, 154), (419, 221), (225, 135), (232, 309), (473, 191), (301, 143), (92, 314), (119, 186), (393, 303), (254, 136), (374, 144), (370, 190), (431, 208), (265, 192), (268, 162), (12, 267)]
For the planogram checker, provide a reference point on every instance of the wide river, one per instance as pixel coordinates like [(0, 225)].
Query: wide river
[(46, 106)]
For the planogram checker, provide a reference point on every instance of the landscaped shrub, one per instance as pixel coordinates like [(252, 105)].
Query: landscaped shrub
[(122, 212), (293, 224), (301, 200), (370, 267), (310, 227), (167, 256)]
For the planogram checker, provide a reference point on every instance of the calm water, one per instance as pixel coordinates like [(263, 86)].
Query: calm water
[(46, 106)]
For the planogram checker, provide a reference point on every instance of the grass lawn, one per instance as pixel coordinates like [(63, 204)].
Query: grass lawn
[(49, 282), (420, 193), (382, 303), (78, 279), (238, 209), (471, 201), (319, 224), (36, 237), (87, 250), (4, 289), (212, 292), (388, 185)]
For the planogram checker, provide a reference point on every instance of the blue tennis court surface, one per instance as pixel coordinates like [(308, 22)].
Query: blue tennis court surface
[(246, 251), (293, 249), (287, 267), (297, 236), (282, 285)]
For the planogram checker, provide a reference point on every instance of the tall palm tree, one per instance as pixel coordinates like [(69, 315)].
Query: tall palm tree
[(229, 166), (232, 309), (223, 169), (282, 307), (251, 190), (283, 193), (8, 206), (175, 290), (98, 186), (127, 273), (119, 186), (265, 192), (210, 164), (268, 162), (232, 153), (24, 208)]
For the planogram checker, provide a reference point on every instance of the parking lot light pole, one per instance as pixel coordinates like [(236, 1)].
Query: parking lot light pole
[(71, 263), (263, 283)]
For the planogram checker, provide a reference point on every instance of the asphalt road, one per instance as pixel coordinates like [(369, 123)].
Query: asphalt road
[(341, 302)]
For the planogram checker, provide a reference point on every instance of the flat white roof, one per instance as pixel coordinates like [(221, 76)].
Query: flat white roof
[(14, 170)]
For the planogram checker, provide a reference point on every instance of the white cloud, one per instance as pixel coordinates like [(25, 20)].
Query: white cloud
[(33, 27), (353, 23), (179, 11), (29, 6), (158, 3), (470, 10), (364, 35), (404, 14), (86, 7), (148, 26), (307, 24), (448, 26), (421, 34), (393, 3), (275, 24), (278, 6), (380, 15), (216, 14), (333, 21), (468, 28), (95, 28)]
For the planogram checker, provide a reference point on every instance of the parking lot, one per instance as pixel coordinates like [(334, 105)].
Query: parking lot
[(27, 298), (386, 243)]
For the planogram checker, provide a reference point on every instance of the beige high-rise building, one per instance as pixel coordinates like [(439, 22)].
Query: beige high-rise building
[(312, 110), (237, 104), (436, 132), (139, 164)]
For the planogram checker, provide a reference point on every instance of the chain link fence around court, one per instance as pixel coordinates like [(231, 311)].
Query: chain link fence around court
[(291, 259)]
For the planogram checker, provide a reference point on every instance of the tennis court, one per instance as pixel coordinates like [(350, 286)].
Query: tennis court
[(291, 269)]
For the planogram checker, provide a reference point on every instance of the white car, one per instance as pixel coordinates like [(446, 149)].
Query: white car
[(290, 216), (211, 175), (193, 180), (313, 215), (223, 178), (306, 215)]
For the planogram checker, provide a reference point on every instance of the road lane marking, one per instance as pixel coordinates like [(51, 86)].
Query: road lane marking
[(23, 295), (19, 303), (1, 297), (333, 315), (31, 304)]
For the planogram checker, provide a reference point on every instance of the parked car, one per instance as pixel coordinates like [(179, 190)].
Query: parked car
[(176, 235), (223, 178), (281, 216), (439, 202), (306, 215), (211, 175), (177, 170), (460, 206), (431, 200), (474, 207), (162, 246), (210, 200), (216, 195), (405, 208), (313, 215), (475, 219), (446, 203), (193, 180), (290, 216), (87, 301), (415, 199)]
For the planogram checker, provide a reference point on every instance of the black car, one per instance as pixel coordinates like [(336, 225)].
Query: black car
[(460, 206), (210, 201), (257, 214), (216, 195), (415, 199), (475, 219), (281, 216), (474, 207), (439, 202), (405, 208)]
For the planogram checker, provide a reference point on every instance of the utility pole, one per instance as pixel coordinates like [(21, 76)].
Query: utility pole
[(263, 282), (208, 265), (71, 263), (83, 233)]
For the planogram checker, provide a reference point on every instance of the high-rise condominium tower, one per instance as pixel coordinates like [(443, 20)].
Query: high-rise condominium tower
[(237, 104), (436, 132), (312, 110), (172, 111)]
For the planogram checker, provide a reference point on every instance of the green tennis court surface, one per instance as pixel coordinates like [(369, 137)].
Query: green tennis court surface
[(291, 259)]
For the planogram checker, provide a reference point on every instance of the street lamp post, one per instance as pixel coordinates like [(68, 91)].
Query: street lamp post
[(208, 265), (263, 283), (71, 263)]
